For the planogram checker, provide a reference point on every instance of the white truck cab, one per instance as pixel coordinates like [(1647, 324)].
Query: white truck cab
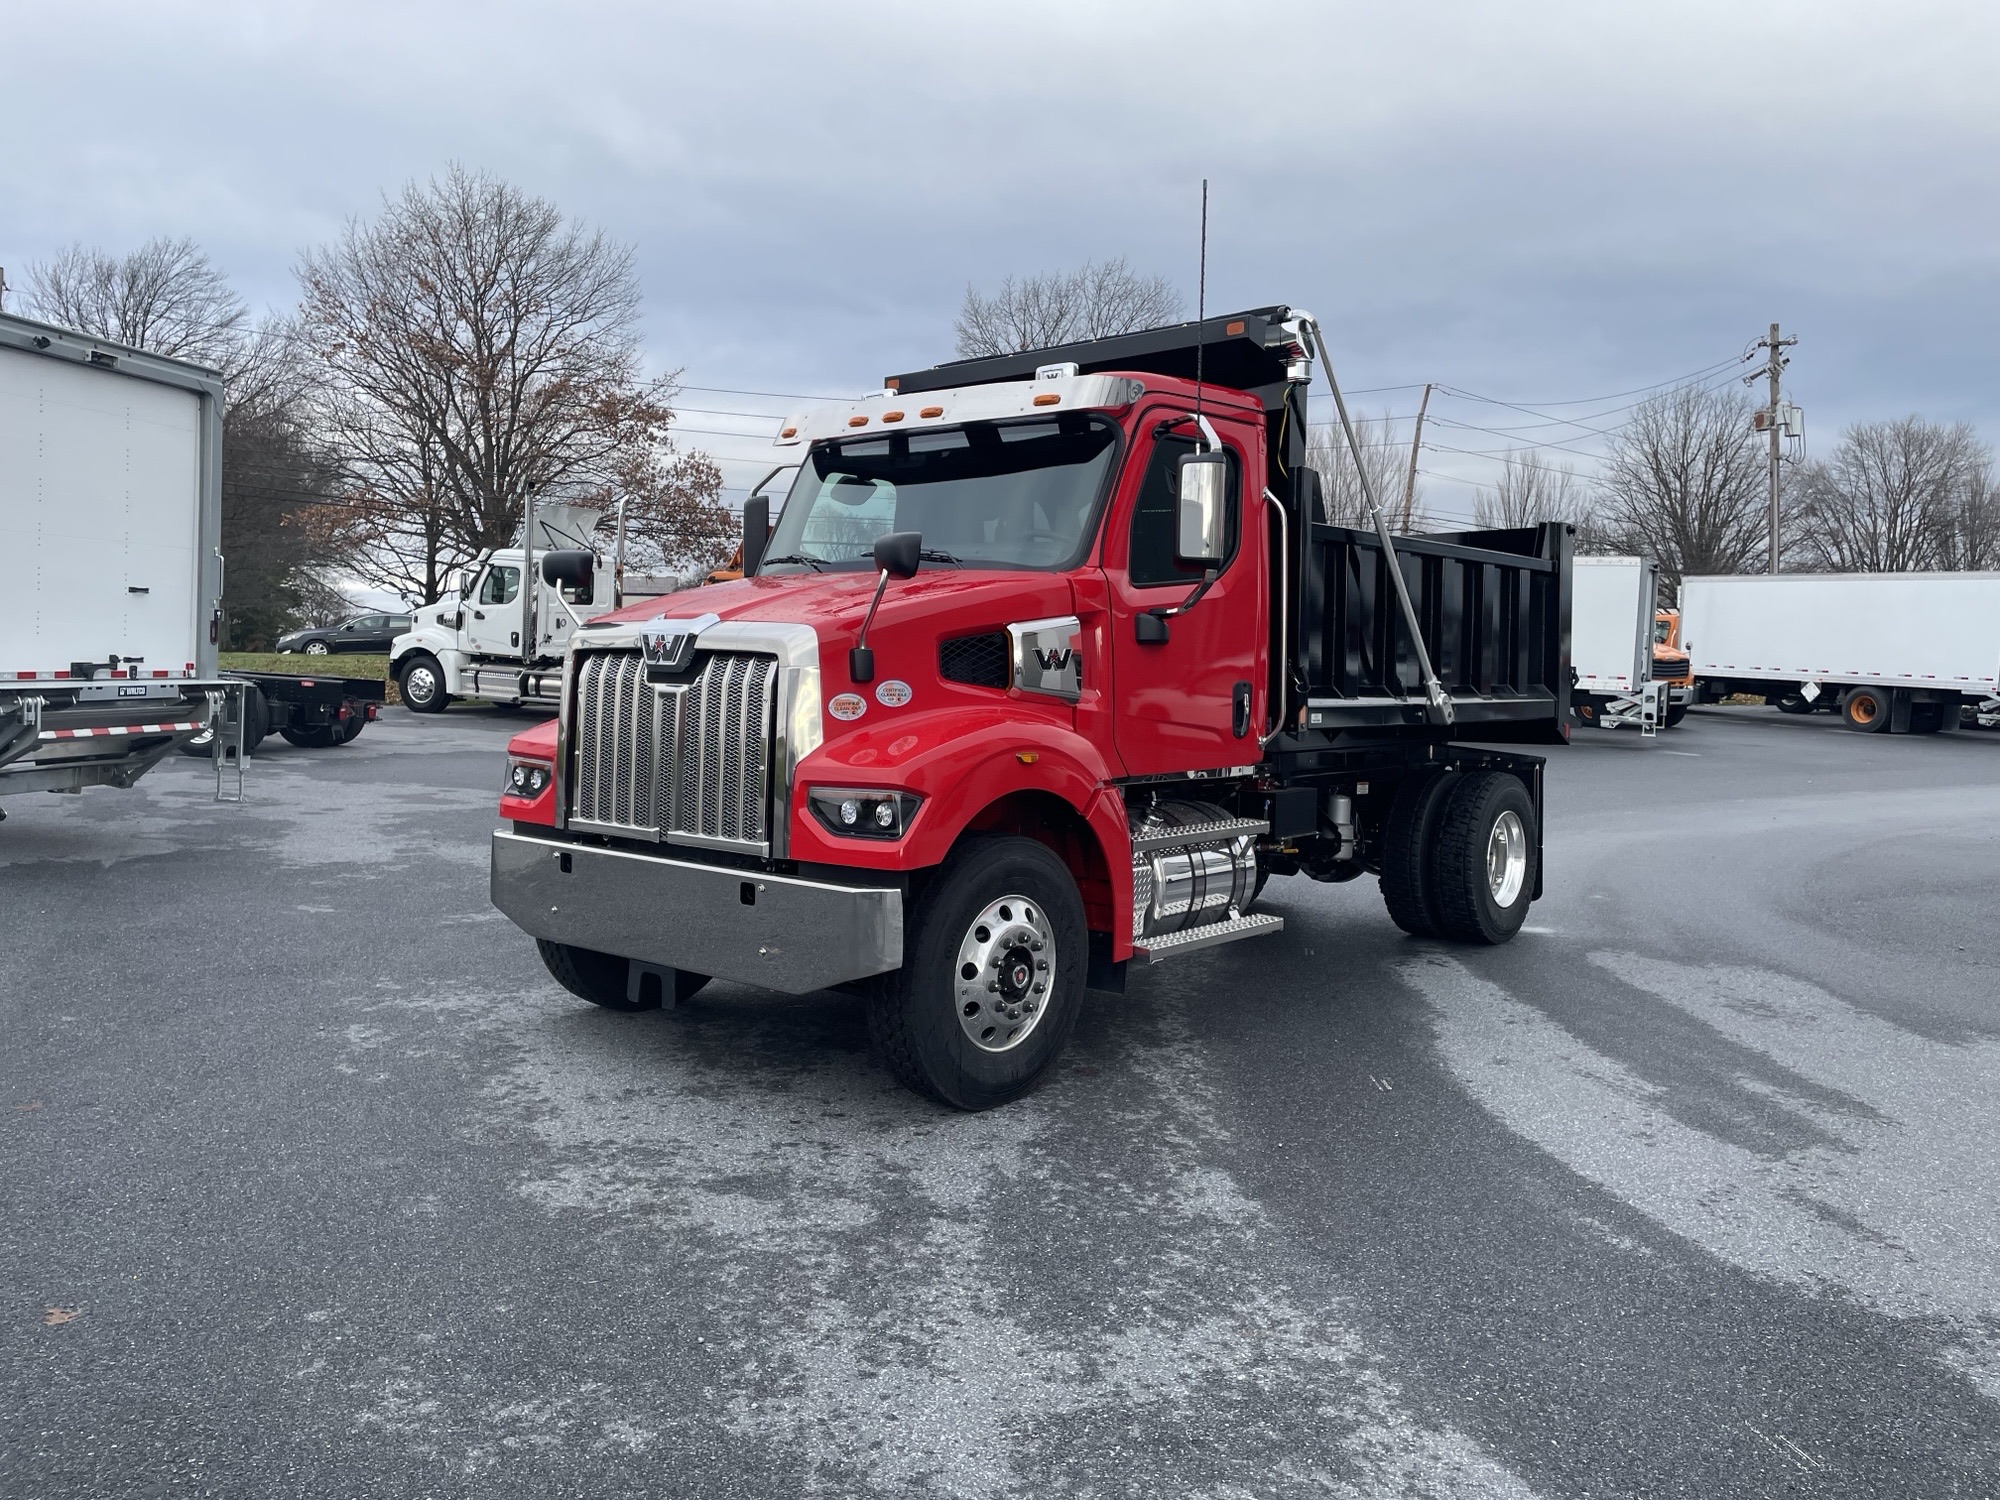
[(469, 643)]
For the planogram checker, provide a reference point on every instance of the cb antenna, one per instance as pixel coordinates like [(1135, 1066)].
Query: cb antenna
[(1201, 304)]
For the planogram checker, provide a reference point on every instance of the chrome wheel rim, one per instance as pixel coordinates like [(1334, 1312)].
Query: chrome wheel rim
[(317, 648), (420, 684), (1006, 967), (1506, 859)]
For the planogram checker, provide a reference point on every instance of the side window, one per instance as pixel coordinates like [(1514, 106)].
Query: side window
[(579, 593), (501, 586), (1153, 518)]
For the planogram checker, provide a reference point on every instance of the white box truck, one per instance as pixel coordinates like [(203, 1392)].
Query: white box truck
[(1902, 652), (1613, 606), (111, 507)]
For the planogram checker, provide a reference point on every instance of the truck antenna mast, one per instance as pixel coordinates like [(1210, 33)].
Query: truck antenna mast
[(1201, 305)]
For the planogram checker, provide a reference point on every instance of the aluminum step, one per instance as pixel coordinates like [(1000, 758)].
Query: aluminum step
[(1200, 833), (1173, 944)]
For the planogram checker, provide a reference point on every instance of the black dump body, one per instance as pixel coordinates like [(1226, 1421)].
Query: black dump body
[(1493, 605)]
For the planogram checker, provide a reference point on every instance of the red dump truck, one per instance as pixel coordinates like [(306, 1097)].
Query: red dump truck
[(1049, 662)]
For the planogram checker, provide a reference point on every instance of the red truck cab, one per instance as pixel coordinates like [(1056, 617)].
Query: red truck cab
[(1048, 664)]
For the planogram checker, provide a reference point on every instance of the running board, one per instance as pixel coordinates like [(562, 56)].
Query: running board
[(1197, 833), (1173, 944)]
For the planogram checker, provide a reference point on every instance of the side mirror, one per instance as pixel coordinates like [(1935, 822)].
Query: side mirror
[(1204, 481), (572, 566), (898, 553), (462, 582), (756, 532)]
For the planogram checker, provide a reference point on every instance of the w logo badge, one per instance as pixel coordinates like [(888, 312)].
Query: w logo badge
[(669, 645), (1048, 659)]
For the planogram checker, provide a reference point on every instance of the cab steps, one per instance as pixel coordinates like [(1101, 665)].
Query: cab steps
[(1172, 944)]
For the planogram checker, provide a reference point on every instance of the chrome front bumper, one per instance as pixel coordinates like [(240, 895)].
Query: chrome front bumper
[(777, 931)]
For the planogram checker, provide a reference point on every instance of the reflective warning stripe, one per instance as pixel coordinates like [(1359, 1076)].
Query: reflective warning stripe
[(91, 734)]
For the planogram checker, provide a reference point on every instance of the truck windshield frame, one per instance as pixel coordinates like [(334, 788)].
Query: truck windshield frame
[(1024, 494)]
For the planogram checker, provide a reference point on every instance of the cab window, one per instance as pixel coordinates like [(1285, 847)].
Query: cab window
[(502, 585), (1154, 517)]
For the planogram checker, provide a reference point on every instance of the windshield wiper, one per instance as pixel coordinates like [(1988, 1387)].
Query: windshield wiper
[(935, 554), (795, 557)]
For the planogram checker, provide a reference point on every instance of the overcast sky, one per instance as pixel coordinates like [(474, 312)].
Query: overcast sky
[(1537, 202)]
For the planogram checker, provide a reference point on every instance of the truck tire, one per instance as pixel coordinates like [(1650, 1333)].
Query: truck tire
[(1483, 859), (1792, 703), (256, 725), (1675, 713), (315, 737), (1866, 709), (421, 680), (994, 956), (602, 978), (351, 727), (1407, 837)]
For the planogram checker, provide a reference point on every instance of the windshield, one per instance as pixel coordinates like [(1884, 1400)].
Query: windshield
[(1022, 494), (1661, 630)]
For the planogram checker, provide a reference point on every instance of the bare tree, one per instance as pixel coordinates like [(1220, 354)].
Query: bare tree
[(1386, 453), (674, 516), (1063, 307), (1533, 488), (474, 344), (1685, 484), (1893, 497), (166, 297)]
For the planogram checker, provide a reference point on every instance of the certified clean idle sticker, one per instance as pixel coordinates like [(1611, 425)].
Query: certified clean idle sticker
[(847, 705), (892, 694)]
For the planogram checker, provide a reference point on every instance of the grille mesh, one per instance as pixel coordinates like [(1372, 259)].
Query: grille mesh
[(689, 759), (976, 660)]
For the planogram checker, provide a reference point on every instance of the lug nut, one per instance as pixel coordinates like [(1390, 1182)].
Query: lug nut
[(1042, 964), (1040, 986)]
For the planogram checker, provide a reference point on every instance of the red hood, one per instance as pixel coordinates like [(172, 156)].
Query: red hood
[(951, 601)]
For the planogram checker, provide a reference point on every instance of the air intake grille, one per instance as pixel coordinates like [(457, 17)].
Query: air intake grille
[(976, 660), (690, 761)]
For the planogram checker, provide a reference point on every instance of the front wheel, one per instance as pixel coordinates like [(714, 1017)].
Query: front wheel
[(422, 684), (992, 976), (318, 648), (1483, 863), (1675, 713)]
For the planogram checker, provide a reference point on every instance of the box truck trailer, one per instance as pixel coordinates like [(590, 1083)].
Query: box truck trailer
[(1901, 652), (111, 507), (1613, 649)]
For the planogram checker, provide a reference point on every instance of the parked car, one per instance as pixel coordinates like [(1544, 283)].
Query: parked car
[(362, 633)]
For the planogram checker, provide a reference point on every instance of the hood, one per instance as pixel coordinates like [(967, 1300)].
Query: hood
[(938, 603)]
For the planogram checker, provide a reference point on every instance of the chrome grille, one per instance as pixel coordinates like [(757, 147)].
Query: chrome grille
[(689, 762)]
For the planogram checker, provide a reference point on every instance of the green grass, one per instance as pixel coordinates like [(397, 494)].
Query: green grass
[(297, 664)]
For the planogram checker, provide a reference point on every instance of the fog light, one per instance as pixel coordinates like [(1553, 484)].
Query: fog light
[(885, 814), (850, 812)]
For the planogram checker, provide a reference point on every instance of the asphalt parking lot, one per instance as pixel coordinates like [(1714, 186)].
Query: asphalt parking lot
[(317, 1186)]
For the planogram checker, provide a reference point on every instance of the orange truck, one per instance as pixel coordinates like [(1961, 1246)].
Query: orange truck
[(1671, 665)]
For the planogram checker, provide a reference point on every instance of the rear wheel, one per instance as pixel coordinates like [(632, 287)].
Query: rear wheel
[(422, 683), (1406, 842), (1675, 713), (1866, 709), (606, 979), (1792, 703), (992, 976), (351, 727), (313, 737), (256, 725), (1483, 860)]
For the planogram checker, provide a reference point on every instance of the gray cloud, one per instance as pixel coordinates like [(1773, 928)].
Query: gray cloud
[(1536, 202)]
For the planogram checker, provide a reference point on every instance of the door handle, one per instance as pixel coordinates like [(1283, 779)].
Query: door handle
[(479, 614), (1240, 715)]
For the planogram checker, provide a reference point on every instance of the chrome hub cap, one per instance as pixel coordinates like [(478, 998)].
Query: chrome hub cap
[(1006, 963), (316, 648), (420, 684), (1506, 859)]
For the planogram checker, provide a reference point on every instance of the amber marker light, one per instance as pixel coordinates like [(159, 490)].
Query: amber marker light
[(1232, 329), (931, 411), (1049, 400), (857, 421), (789, 432), (1026, 757), (892, 416)]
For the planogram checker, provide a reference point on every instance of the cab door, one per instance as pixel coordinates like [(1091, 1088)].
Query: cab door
[(493, 618), (1196, 700)]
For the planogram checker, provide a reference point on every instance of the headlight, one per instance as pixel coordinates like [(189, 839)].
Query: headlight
[(528, 778), (863, 813)]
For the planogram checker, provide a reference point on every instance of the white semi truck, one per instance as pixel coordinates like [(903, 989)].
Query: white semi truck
[(1901, 652), (1613, 655), (468, 644), (111, 507)]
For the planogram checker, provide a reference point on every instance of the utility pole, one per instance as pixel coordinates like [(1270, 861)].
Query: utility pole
[(1773, 366), (3, 288), (1416, 442)]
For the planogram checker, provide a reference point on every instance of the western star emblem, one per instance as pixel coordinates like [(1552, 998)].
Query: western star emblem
[(669, 644)]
